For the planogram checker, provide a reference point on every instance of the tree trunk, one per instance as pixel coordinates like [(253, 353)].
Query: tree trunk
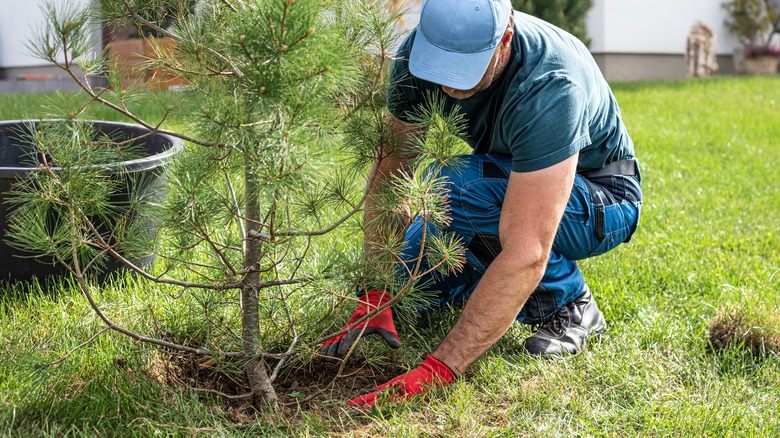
[(256, 370)]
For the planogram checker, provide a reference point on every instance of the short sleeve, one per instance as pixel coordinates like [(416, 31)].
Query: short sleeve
[(548, 125)]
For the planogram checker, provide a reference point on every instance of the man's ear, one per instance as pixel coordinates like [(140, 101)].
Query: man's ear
[(507, 36)]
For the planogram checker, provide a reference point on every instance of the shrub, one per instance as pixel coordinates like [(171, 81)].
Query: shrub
[(567, 14)]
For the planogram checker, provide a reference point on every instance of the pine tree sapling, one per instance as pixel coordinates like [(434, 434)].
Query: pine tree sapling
[(262, 206)]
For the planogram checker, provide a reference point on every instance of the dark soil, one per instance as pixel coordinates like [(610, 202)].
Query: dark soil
[(732, 329), (317, 386)]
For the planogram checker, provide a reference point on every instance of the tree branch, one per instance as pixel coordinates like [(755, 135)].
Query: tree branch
[(371, 177), (77, 347)]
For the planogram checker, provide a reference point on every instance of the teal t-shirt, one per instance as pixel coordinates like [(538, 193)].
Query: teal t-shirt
[(551, 102)]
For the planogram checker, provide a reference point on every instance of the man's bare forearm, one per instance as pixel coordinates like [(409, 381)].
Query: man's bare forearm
[(385, 169), (391, 162), (533, 206), (490, 311)]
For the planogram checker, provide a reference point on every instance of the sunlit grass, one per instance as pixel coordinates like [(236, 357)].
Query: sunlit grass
[(708, 243)]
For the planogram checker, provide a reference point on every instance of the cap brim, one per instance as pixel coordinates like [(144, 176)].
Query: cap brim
[(461, 71)]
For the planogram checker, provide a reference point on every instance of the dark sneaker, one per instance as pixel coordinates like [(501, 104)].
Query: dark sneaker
[(569, 329)]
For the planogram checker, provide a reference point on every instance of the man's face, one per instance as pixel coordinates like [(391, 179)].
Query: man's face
[(493, 71)]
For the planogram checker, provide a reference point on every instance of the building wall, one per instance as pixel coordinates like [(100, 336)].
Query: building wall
[(639, 39), (631, 39), (19, 20), (657, 27), (642, 40)]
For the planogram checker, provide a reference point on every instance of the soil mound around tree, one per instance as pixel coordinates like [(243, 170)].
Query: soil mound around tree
[(313, 386)]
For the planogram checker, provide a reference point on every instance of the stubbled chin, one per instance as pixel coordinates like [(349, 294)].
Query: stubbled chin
[(460, 94)]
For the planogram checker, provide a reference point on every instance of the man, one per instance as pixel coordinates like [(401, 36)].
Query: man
[(552, 179)]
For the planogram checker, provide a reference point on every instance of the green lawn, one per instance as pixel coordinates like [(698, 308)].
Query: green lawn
[(709, 240)]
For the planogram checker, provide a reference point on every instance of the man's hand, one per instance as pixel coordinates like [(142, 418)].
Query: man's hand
[(380, 324), (430, 373)]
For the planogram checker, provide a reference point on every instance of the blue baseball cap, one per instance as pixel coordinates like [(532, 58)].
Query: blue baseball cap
[(456, 39)]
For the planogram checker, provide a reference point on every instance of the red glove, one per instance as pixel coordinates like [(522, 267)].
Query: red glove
[(380, 324), (430, 373)]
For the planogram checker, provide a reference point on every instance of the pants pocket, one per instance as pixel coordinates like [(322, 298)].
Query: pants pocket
[(615, 223), (577, 211)]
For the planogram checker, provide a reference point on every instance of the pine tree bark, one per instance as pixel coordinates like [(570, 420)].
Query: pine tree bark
[(262, 388)]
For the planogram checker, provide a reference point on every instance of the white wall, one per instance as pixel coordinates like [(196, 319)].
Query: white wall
[(638, 26), (18, 20), (653, 27), (615, 26)]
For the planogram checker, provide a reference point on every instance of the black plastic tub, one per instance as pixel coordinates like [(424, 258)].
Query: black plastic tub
[(15, 164)]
